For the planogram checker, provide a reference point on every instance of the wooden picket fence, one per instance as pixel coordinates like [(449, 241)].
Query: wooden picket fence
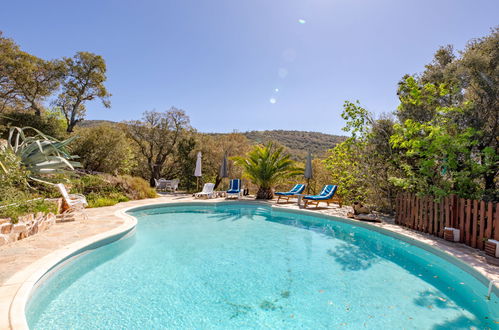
[(476, 220)]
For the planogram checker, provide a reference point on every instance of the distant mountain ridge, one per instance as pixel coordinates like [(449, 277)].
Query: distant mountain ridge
[(92, 123), (299, 143)]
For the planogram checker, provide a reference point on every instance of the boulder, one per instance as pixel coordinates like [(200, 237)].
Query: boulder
[(33, 230), (358, 208), (7, 220), (6, 228), (3, 239), (19, 228)]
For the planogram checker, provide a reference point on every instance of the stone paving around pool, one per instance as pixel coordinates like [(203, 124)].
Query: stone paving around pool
[(17, 256)]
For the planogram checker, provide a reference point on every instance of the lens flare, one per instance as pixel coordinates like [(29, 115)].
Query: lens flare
[(273, 100), (276, 90), (302, 21), (282, 72)]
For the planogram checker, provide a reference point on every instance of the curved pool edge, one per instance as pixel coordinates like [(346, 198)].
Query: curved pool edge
[(440, 252), (36, 271), (16, 312)]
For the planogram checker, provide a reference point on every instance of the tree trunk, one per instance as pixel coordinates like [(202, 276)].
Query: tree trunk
[(155, 174), (70, 127), (264, 193), (218, 180)]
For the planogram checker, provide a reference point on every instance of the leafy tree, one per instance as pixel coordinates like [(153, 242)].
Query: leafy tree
[(85, 74), (50, 123), (345, 170), (436, 160), (362, 165), (184, 162), (26, 80), (267, 165), (104, 148), (461, 94), (157, 136)]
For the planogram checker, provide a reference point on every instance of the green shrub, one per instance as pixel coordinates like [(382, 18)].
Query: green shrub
[(135, 187), (105, 149), (49, 123), (24, 207), (105, 190), (96, 200), (12, 172)]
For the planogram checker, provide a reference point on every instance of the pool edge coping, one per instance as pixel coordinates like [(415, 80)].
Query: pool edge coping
[(17, 309)]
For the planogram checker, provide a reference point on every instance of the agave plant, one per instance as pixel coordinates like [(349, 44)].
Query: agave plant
[(41, 154), (266, 166)]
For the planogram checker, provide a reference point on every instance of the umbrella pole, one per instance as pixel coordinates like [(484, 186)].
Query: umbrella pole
[(308, 186), (197, 183)]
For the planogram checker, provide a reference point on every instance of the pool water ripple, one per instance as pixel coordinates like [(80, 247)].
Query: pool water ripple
[(232, 266)]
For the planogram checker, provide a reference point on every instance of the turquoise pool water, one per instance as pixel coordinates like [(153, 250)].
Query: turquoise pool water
[(234, 266)]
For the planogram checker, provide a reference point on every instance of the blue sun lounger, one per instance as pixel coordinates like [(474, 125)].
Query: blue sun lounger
[(297, 189), (235, 188), (326, 195)]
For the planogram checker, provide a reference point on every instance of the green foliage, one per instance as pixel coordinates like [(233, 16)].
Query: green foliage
[(357, 119), (459, 97), (362, 165), (84, 77), (185, 163), (266, 166), (104, 148), (105, 190), (26, 80), (22, 207), (133, 187), (438, 159), (345, 171), (40, 154), (12, 171), (156, 137), (445, 141), (49, 123), (96, 200)]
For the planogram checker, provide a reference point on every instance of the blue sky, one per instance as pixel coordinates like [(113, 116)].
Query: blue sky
[(222, 60)]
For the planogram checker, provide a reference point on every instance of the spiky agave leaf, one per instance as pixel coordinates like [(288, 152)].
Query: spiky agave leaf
[(41, 154)]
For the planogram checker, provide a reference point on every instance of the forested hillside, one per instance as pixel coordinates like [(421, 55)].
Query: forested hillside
[(299, 142)]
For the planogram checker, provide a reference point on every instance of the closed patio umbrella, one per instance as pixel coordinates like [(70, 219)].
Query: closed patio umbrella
[(308, 171), (224, 169), (197, 171)]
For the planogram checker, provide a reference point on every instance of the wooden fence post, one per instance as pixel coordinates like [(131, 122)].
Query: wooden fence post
[(481, 226)]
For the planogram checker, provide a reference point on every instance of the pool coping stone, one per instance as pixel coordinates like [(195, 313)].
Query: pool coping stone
[(16, 291)]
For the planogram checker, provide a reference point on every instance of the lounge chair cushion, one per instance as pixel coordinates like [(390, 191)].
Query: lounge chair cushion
[(288, 193), (326, 193), (297, 189), (235, 187)]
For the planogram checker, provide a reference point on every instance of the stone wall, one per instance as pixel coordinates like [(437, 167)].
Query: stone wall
[(27, 225)]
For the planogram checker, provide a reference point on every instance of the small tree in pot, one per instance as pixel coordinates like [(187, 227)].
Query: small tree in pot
[(265, 166)]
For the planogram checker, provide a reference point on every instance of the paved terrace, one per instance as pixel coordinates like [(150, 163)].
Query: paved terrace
[(15, 257)]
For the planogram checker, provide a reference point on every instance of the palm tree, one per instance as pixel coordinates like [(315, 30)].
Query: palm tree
[(267, 165)]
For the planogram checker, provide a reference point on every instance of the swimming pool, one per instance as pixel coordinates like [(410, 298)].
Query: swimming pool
[(236, 265)]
